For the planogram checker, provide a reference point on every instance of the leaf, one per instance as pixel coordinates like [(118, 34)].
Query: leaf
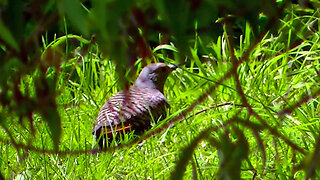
[(183, 161), (187, 154), (6, 35), (47, 106), (231, 155), (165, 46), (176, 16), (198, 62), (52, 118), (76, 14)]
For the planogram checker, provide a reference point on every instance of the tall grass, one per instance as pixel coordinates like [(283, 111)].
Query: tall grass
[(276, 76)]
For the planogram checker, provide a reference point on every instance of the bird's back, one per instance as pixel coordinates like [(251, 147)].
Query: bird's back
[(128, 110)]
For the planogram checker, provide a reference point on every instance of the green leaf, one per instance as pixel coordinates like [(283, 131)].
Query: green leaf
[(183, 161), (231, 155), (52, 118), (6, 35), (176, 16), (197, 61), (76, 14), (187, 154), (165, 46)]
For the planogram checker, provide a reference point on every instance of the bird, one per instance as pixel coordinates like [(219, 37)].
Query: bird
[(132, 110)]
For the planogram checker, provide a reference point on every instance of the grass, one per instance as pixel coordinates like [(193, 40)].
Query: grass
[(275, 77)]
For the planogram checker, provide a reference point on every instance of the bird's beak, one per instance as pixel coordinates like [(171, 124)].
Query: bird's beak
[(173, 66)]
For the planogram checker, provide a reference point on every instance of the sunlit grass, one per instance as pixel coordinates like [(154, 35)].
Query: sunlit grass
[(273, 78)]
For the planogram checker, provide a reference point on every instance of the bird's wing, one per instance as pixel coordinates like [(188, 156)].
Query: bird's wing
[(131, 106)]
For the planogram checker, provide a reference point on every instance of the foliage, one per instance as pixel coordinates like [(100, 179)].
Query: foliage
[(246, 95)]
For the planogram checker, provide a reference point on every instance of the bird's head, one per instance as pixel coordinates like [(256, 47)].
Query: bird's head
[(154, 76)]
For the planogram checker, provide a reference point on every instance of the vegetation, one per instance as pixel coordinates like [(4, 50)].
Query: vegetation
[(244, 102)]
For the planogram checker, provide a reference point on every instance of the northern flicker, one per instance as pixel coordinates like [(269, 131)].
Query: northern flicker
[(134, 108)]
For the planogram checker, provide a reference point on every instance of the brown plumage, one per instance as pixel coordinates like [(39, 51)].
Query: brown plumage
[(134, 108)]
